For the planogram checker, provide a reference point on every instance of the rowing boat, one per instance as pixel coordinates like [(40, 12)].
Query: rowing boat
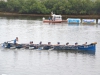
[(89, 47)]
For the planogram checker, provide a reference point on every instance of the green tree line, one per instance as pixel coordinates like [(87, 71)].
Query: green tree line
[(69, 7)]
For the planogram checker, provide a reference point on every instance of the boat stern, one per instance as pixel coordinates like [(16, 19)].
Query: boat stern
[(90, 47)]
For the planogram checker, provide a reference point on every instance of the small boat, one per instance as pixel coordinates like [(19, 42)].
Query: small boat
[(89, 21), (54, 19), (89, 47), (73, 20)]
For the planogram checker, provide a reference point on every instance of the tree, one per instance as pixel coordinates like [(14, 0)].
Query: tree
[(97, 7), (3, 6)]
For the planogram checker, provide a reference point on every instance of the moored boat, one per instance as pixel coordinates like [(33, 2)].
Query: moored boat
[(88, 21), (73, 20), (54, 19)]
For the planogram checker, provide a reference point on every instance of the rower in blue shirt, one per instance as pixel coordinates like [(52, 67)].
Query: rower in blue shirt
[(15, 41)]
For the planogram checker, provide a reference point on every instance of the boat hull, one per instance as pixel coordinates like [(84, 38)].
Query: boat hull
[(79, 47), (50, 21)]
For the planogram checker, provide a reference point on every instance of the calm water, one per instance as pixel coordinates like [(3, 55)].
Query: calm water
[(43, 62)]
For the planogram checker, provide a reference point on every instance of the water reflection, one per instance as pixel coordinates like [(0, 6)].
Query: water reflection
[(15, 55), (77, 24), (76, 52)]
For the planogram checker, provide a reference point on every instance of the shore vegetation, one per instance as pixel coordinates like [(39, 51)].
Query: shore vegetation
[(63, 7)]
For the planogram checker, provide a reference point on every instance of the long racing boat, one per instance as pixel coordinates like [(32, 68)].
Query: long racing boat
[(87, 47)]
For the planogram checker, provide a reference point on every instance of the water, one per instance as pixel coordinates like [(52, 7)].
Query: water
[(44, 62)]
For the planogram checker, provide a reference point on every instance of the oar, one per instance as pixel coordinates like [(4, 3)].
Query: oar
[(10, 41), (1, 43), (7, 41)]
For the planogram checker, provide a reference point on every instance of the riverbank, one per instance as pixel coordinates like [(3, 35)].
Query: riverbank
[(42, 15)]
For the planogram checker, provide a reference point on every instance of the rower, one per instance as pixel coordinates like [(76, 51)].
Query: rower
[(40, 43), (85, 43), (58, 43), (31, 42), (16, 40), (49, 43), (76, 44), (67, 43)]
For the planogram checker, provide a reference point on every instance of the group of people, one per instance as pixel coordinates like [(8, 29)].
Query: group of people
[(49, 43)]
